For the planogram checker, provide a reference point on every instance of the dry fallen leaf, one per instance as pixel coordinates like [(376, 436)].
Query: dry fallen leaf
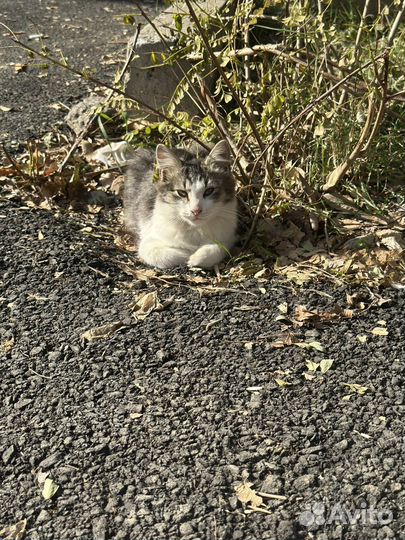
[(356, 388), (14, 532), (302, 314), (379, 331), (102, 332), (310, 345), (247, 495), (284, 341), (312, 366), (49, 489), (325, 365), (144, 304)]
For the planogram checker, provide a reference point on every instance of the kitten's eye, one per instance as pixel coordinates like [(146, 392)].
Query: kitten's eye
[(182, 193), (209, 192)]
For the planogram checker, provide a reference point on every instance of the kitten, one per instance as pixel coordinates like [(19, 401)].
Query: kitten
[(189, 216)]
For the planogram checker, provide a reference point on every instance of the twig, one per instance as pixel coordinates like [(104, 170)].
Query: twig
[(259, 208), (296, 119), (368, 132), (251, 121), (312, 105), (270, 48), (272, 496), (221, 126), (357, 43), (395, 25), (39, 374), (258, 509), (15, 164)]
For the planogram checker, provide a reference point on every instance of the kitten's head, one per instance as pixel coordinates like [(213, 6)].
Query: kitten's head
[(199, 189)]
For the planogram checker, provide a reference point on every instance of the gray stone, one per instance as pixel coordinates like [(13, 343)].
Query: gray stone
[(22, 403), (99, 528), (371, 489), (271, 484), (49, 461), (285, 530), (43, 516), (303, 482), (186, 529), (80, 114), (8, 454), (154, 85)]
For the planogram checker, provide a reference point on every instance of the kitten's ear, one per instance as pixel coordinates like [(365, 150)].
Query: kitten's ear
[(220, 155), (166, 159)]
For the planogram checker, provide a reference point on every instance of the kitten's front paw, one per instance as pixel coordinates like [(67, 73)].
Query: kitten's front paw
[(162, 256), (207, 256)]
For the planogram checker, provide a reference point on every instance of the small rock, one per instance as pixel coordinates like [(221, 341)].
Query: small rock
[(186, 529), (373, 490), (8, 454), (22, 403), (271, 484), (43, 516), (99, 528), (303, 482), (137, 408), (183, 511), (37, 350), (342, 445), (117, 488), (49, 461), (388, 464), (285, 529), (233, 502), (111, 505), (255, 400), (233, 470)]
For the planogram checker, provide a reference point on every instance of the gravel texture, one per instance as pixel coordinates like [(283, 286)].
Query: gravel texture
[(148, 432), (89, 33)]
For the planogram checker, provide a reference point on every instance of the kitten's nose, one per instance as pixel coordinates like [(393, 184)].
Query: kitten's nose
[(196, 211)]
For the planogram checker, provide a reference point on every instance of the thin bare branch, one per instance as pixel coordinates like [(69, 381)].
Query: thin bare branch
[(395, 25), (314, 103), (250, 120)]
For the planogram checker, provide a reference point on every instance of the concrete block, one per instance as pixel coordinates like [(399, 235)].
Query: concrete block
[(155, 85)]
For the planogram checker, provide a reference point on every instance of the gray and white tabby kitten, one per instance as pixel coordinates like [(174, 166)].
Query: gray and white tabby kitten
[(189, 216)]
